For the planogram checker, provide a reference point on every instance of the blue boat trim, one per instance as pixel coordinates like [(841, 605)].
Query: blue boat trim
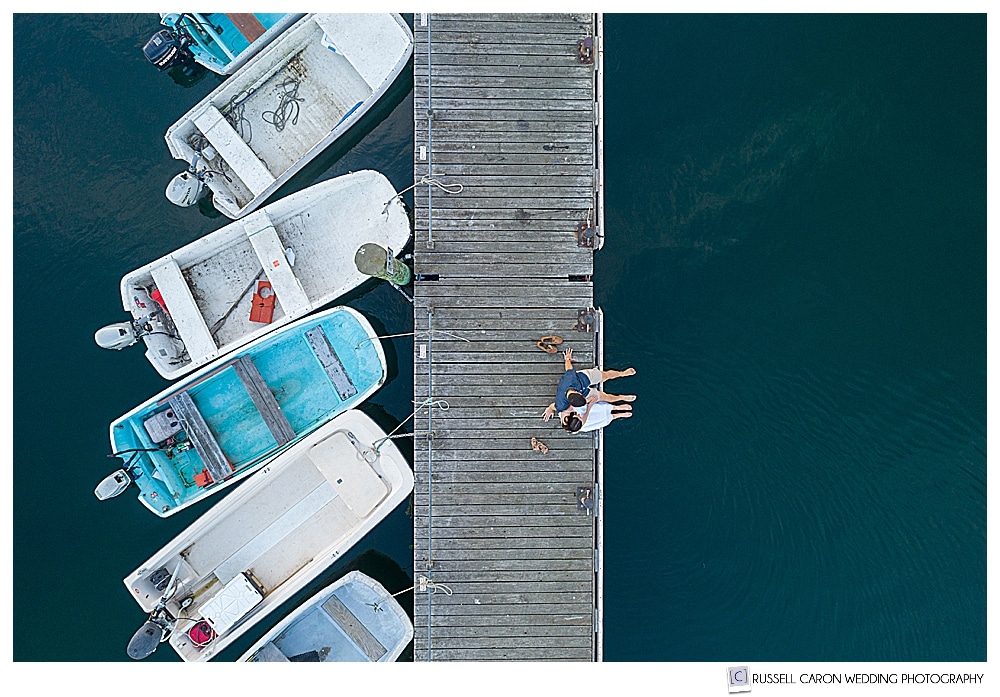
[(221, 425), (349, 112)]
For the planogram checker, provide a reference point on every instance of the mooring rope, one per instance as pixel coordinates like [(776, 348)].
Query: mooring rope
[(430, 181), (424, 584), (421, 331), (439, 403)]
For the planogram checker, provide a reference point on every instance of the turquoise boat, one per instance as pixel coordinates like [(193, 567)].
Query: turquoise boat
[(231, 418), (219, 41)]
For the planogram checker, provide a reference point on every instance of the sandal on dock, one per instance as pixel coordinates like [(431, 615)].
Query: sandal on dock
[(538, 446), (549, 342)]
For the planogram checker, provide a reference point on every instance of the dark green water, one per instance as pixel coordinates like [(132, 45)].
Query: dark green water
[(802, 197)]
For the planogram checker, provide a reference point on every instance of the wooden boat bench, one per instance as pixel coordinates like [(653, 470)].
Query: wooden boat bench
[(248, 25), (183, 309), (267, 405), (200, 436), (354, 629), (331, 363), (267, 245), (238, 155)]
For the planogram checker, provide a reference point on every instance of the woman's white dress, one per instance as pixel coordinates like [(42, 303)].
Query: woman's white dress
[(599, 417)]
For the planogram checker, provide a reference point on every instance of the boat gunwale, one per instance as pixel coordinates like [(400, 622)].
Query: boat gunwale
[(178, 145), (232, 233), (393, 469), (263, 460), (315, 601)]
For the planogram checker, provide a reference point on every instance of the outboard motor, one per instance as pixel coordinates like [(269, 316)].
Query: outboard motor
[(166, 49), (145, 641), (185, 189), (116, 336), (112, 485)]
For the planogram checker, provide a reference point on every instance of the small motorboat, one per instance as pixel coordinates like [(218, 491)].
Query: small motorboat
[(353, 619), (231, 418), (284, 107), (219, 41), (271, 537), (283, 261)]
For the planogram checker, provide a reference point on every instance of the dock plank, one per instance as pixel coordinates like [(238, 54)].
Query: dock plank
[(504, 107)]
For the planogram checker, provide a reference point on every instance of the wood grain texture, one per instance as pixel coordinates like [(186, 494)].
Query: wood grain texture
[(503, 107)]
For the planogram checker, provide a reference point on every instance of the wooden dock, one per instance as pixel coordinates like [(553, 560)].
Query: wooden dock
[(508, 211)]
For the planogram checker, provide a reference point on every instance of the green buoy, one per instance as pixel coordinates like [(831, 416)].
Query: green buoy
[(375, 261)]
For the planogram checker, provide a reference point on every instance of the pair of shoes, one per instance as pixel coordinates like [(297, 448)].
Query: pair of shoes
[(549, 343), (538, 446)]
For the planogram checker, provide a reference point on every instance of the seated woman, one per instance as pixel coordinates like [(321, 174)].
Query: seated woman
[(595, 415)]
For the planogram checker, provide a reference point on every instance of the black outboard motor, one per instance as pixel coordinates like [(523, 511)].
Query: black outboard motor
[(166, 49)]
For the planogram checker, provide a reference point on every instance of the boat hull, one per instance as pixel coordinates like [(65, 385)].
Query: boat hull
[(205, 306), (325, 630), (289, 103), (276, 533), (223, 42), (230, 419)]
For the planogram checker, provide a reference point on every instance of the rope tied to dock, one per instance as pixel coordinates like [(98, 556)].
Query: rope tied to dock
[(430, 181), (430, 403), (422, 331), (423, 584)]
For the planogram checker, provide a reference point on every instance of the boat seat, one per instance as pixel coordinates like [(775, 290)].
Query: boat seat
[(271, 536), (234, 150), (266, 243), (200, 436), (331, 363), (267, 405), (247, 24), (354, 628), (183, 310)]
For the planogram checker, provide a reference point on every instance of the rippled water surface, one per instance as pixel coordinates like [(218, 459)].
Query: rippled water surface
[(800, 205), (803, 200)]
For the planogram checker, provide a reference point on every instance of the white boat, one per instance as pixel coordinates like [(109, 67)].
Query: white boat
[(195, 304), (267, 540), (281, 109), (353, 619)]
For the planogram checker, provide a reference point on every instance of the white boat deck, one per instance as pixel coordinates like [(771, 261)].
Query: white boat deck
[(277, 532), (288, 103), (323, 226), (328, 87)]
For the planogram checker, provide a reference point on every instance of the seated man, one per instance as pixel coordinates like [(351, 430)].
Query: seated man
[(579, 387)]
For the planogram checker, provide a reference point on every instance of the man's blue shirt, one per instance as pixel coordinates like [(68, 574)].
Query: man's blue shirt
[(571, 380)]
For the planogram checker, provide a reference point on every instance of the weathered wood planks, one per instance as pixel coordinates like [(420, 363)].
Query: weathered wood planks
[(504, 107)]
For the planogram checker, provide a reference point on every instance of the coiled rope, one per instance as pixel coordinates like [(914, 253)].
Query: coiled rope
[(288, 106)]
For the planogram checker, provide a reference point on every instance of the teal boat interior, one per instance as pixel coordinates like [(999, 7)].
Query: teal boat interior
[(219, 37), (233, 416)]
